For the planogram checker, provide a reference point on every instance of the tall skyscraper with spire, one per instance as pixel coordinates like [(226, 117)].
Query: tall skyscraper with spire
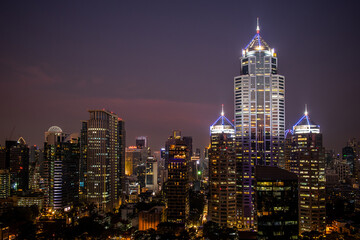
[(259, 95), (222, 175)]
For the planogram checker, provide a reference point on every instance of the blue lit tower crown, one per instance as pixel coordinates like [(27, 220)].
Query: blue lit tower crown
[(259, 95)]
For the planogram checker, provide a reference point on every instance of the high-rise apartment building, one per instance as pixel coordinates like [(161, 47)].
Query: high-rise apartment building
[(177, 186), (259, 94), (222, 175), (105, 159), (307, 160)]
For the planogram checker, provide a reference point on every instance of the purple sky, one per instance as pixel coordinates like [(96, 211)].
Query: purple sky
[(163, 65)]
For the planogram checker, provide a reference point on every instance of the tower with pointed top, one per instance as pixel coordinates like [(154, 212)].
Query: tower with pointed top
[(306, 157), (222, 175), (259, 95)]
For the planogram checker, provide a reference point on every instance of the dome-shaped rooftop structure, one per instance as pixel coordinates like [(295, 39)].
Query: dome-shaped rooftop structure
[(55, 129)]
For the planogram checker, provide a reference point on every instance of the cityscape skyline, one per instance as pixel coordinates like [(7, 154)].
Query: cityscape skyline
[(42, 80), (141, 71)]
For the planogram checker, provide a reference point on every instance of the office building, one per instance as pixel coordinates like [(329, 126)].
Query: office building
[(308, 162), (222, 175), (259, 94), (177, 186), (276, 195), (105, 159)]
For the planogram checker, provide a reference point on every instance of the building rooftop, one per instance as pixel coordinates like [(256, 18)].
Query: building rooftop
[(305, 125), (222, 125), (257, 42), (268, 173)]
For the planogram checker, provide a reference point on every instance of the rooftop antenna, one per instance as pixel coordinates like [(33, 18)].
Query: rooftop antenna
[(306, 111), (257, 26), (222, 109)]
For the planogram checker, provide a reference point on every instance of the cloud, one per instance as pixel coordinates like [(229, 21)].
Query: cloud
[(15, 73)]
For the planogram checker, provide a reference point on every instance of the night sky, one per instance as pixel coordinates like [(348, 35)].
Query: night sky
[(164, 65)]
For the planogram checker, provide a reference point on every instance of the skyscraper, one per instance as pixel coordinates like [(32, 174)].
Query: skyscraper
[(307, 160), (105, 159), (222, 176), (61, 167), (259, 94), (177, 186)]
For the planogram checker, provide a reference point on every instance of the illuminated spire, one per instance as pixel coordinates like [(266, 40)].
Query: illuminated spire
[(306, 111), (257, 42), (222, 124)]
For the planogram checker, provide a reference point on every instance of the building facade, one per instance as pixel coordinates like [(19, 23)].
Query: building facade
[(222, 176), (259, 95)]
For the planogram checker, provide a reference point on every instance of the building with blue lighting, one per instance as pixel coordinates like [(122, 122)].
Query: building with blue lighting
[(307, 159), (259, 95), (222, 175)]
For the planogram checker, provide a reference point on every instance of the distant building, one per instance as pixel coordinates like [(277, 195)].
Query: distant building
[(151, 174), (222, 175), (35, 163), (142, 142), (28, 200), (177, 186), (348, 156), (355, 145), (19, 165), (4, 183), (308, 162), (276, 203), (105, 160), (15, 158), (332, 178)]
